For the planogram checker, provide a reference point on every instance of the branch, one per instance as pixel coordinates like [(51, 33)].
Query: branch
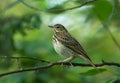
[(58, 63), (113, 38), (105, 25), (24, 57), (55, 10), (9, 6)]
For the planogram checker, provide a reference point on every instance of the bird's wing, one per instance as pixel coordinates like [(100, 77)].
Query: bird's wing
[(70, 42)]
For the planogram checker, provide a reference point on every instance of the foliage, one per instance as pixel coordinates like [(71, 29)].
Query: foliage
[(24, 32)]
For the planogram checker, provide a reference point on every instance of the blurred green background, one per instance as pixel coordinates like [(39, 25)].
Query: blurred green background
[(24, 32)]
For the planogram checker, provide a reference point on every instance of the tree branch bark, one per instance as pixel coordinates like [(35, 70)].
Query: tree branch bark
[(50, 64), (55, 10)]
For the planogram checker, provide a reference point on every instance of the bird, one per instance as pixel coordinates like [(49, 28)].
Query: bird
[(66, 45)]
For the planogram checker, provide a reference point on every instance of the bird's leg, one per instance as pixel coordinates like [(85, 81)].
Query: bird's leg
[(67, 59)]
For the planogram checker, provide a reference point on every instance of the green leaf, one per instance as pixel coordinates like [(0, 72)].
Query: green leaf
[(93, 72), (56, 9), (103, 9), (117, 81), (109, 81)]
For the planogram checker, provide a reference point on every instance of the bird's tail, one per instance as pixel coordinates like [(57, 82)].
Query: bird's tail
[(88, 60)]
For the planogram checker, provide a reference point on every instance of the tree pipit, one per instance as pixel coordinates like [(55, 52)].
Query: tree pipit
[(67, 45)]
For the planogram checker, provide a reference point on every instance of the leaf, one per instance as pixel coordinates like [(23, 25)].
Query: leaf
[(109, 81), (103, 9), (56, 9), (93, 72), (117, 81)]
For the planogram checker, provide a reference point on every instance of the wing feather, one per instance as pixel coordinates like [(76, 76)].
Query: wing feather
[(71, 43)]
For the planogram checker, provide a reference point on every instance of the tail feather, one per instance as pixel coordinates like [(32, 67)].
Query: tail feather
[(92, 64), (88, 60)]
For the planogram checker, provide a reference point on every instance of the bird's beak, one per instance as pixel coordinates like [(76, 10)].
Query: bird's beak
[(50, 26)]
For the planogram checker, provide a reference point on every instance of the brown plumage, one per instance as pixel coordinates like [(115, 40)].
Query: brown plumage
[(68, 46)]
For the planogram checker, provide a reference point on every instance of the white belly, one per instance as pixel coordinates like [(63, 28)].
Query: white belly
[(61, 49)]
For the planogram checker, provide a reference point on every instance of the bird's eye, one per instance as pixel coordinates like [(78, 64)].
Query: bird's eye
[(57, 27)]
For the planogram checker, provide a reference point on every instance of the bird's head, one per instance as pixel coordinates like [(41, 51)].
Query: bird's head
[(58, 28)]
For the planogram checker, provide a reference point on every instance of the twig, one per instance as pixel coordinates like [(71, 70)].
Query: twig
[(19, 63), (105, 25), (55, 10), (9, 6), (24, 57), (113, 38), (58, 63)]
